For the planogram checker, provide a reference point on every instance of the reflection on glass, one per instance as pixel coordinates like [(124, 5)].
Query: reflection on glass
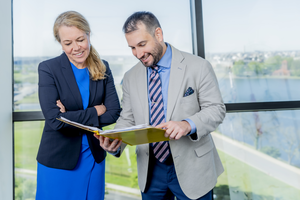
[(261, 155), (254, 51)]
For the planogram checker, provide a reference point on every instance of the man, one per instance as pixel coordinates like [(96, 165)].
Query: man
[(178, 92)]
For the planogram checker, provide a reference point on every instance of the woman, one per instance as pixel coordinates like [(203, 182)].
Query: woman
[(79, 86)]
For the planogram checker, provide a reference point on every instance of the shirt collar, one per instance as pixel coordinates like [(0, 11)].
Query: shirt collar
[(166, 60)]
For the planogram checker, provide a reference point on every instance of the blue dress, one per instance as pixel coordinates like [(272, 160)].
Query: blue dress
[(86, 181)]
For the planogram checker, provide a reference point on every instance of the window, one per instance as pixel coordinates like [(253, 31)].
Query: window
[(34, 42), (260, 154), (254, 49)]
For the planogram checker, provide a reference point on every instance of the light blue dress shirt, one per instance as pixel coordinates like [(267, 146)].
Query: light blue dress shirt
[(164, 69), (164, 73)]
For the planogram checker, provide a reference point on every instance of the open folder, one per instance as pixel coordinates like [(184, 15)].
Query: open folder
[(134, 135)]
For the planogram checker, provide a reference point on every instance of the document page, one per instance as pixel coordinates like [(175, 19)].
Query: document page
[(132, 128), (80, 125)]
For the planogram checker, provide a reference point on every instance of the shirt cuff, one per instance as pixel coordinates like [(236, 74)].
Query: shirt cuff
[(115, 153), (193, 126)]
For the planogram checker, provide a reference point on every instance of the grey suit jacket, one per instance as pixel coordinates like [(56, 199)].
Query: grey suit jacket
[(196, 161)]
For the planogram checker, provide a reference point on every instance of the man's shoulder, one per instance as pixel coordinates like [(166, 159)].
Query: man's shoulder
[(194, 64), (137, 68), (186, 56), (192, 56)]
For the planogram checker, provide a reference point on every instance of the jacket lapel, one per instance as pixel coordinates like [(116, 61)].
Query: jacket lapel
[(176, 78), (142, 88), (70, 79)]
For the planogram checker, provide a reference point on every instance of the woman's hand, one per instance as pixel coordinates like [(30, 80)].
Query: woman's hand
[(61, 106), (101, 109)]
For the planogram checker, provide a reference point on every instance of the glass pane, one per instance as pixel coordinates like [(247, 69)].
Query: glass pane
[(27, 138), (25, 84), (121, 174), (260, 153), (254, 49), (34, 41)]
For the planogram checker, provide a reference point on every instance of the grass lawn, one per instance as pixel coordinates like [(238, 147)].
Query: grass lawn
[(123, 170), (26, 142)]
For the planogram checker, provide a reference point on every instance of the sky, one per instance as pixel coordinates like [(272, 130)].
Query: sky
[(229, 26), (33, 21), (251, 25)]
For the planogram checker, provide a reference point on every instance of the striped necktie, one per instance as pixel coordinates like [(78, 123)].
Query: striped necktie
[(160, 149)]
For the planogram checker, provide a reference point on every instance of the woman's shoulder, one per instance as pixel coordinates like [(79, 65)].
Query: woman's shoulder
[(105, 62), (54, 62), (106, 65)]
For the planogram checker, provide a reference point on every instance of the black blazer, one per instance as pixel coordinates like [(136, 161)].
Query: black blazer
[(61, 143)]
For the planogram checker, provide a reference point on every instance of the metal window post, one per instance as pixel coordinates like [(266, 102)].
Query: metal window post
[(6, 105)]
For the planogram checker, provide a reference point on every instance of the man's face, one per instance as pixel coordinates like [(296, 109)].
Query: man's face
[(144, 46)]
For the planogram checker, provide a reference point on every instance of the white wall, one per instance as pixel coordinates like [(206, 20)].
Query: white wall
[(6, 133)]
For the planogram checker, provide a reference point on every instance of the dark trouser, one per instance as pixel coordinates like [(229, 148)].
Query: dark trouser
[(162, 182)]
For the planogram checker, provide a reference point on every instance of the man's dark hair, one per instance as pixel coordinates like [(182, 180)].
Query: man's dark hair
[(144, 17)]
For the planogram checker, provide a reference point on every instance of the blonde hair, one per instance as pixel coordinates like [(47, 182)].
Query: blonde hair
[(72, 18)]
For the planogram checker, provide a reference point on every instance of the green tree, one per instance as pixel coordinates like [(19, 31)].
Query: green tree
[(271, 151), (238, 68), (221, 192), (273, 63), (24, 189), (256, 68), (295, 68)]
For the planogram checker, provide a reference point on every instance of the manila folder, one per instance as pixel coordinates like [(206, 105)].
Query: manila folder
[(138, 136), (134, 135)]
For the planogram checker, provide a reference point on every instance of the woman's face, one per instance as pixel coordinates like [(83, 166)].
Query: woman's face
[(76, 45)]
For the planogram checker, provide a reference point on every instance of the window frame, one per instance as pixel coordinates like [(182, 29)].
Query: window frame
[(7, 56), (6, 108)]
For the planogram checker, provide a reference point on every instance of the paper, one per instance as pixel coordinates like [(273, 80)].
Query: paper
[(78, 125), (126, 129)]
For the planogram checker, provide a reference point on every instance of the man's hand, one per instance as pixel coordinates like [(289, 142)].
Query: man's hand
[(107, 144), (175, 130)]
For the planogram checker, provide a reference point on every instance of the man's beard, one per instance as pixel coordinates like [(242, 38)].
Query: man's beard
[(156, 55)]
